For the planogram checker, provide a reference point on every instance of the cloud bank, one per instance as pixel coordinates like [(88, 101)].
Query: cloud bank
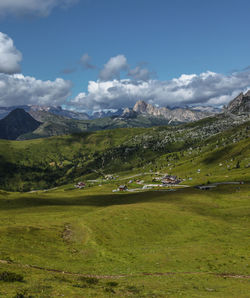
[(205, 88), (10, 57), (112, 92), (32, 7), (18, 89)]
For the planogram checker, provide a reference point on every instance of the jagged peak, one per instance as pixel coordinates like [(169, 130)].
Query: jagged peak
[(140, 106), (240, 104)]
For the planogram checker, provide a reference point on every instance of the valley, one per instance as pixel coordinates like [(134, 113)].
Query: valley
[(158, 211)]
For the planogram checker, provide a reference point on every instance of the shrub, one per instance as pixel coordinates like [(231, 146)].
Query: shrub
[(89, 280), (10, 277), (112, 284)]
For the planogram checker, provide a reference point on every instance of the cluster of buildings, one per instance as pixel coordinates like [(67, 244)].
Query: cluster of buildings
[(168, 179)]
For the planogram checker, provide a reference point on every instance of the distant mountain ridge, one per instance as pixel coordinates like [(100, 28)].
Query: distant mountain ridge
[(174, 114), (36, 111), (39, 122)]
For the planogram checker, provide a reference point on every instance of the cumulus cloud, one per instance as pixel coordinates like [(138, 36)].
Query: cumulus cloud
[(205, 88), (18, 89), (113, 68), (32, 7), (86, 62), (10, 57)]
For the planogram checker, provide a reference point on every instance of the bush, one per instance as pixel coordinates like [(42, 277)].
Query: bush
[(10, 277), (89, 280), (22, 294), (112, 284)]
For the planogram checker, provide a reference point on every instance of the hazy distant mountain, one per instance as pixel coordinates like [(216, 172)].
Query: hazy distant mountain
[(59, 111), (103, 114), (39, 111), (16, 123), (209, 109), (240, 104)]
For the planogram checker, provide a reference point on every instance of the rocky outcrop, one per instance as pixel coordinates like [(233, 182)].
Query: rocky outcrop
[(240, 104)]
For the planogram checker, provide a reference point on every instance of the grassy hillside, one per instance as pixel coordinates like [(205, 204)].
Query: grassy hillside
[(182, 150), (153, 244)]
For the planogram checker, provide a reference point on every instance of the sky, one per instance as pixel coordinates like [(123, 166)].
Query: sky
[(106, 54)]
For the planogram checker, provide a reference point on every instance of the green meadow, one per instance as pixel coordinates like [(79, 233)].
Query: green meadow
[(189, 242)]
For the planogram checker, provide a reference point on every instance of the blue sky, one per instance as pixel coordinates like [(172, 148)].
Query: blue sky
[(165, 39)]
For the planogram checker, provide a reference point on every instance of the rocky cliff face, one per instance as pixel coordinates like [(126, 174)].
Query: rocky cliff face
[(178, 114), (240, 104), (18, 122)]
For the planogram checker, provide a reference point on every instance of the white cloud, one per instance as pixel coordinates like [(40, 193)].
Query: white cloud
[(18, 89), (85, 61), (113, 68), (31, 7), (205, 88), (10, 57)]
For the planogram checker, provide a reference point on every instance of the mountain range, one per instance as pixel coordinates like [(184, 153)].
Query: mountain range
[(177, 114), (29, 122)]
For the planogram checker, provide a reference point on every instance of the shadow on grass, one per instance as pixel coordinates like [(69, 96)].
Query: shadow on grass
[(91, 200), (203, 203), (217, 155)]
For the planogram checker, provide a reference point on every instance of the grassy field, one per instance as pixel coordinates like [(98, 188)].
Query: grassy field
[(189, 242)]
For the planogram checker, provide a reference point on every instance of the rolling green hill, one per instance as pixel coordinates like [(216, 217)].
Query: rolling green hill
[(50, 162)]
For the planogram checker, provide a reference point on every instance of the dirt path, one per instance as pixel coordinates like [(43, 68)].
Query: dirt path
[(229, 275)]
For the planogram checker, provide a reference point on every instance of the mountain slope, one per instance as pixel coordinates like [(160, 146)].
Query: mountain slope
[(17, 123)]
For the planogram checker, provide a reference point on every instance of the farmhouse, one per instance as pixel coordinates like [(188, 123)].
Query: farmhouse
[(80, 185), (123, 187)]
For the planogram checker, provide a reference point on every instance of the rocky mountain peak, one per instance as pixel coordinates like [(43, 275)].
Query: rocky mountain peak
[(240, 104), (140, 106)]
